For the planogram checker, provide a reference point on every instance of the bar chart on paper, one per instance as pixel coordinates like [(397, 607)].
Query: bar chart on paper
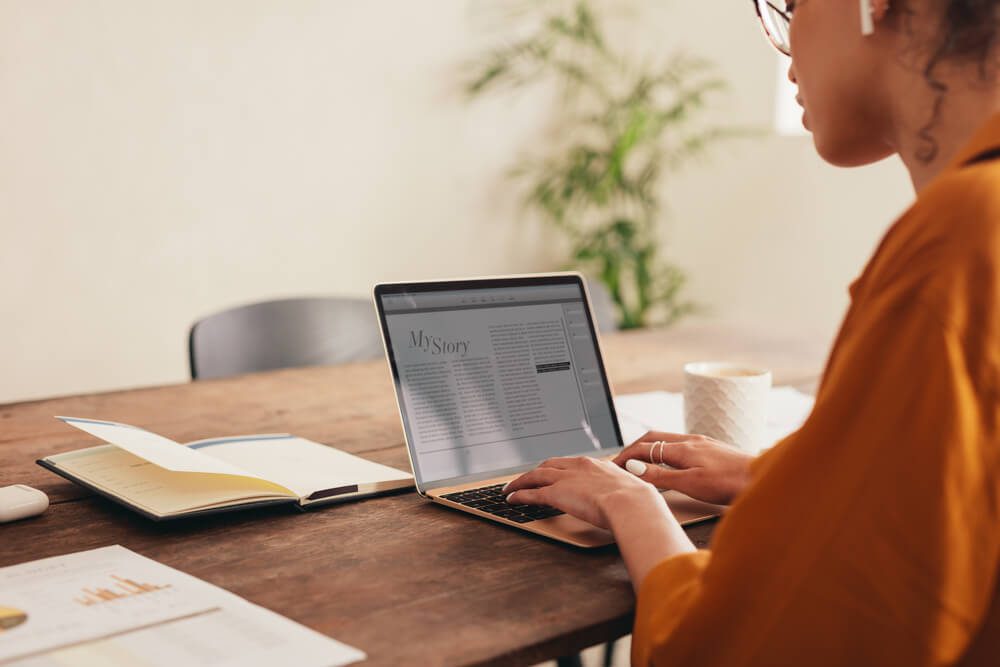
[(120, 588), (114, 608), (63, 601)]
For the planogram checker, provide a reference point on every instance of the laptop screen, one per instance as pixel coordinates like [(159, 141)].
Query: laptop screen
[(495, 375)]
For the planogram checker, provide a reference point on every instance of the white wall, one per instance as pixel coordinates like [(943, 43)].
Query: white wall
[(162, 160)]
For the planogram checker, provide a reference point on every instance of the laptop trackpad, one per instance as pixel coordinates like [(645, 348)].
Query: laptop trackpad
[(688, 510)]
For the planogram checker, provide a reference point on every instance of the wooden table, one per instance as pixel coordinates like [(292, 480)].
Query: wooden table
[(406, 581)]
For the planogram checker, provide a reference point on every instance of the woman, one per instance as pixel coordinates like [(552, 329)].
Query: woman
[(893, 484)]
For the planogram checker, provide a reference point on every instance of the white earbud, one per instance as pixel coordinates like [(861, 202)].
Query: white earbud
[(867, 21)]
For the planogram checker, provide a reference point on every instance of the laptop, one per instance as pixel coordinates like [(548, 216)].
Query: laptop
[(492, 377)]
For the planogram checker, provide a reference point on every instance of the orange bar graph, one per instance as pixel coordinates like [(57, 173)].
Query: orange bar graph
[(122, 588)]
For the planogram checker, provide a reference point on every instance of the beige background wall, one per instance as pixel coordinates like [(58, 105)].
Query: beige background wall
[(162, 160)]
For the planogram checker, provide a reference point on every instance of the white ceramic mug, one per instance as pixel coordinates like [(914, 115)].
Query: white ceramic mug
[(727, 402)]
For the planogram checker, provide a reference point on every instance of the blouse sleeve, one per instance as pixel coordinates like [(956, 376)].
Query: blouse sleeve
[(871, 536)]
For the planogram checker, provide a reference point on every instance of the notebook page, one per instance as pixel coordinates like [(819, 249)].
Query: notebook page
[(155, 489), (162, 451), (301, 465)]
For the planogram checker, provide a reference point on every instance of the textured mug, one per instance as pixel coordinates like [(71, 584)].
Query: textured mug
[(727, 402)]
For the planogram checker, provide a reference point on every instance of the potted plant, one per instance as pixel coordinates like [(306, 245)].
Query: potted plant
[(622, 126)]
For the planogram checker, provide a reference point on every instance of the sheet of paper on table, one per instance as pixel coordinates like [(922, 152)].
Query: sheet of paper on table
[(788, 408), (112, 607)]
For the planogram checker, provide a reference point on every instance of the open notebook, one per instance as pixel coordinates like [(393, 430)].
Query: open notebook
[(163, 479)]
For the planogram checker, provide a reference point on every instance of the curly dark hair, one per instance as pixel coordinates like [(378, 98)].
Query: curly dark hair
[(969, 33)]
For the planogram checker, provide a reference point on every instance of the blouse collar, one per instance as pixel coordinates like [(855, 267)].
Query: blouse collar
[(985, 140)]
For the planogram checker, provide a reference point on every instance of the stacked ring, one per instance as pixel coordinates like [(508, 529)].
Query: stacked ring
[(658, 448)]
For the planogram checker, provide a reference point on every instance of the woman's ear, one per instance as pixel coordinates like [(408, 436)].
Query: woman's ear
[(879, 9)]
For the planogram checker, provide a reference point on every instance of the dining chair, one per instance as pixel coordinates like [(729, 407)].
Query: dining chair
[(284, 333)]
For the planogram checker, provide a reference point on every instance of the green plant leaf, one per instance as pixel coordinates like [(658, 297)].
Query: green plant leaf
[(623, 126)]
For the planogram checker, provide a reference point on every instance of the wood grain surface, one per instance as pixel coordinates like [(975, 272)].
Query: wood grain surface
[(406, 581)]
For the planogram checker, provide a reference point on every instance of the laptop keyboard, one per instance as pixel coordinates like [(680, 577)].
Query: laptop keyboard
[(490, 499)]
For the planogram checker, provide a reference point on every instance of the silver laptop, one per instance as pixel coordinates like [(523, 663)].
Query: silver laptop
[(493, 376)]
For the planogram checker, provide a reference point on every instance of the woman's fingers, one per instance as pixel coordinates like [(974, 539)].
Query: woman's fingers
[(637, 450), (533, 479), (661, 478), (701, 468), (644, 445), (677, 453), (528, 497)]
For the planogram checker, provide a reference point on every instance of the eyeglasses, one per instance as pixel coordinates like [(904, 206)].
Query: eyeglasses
[(776, 23)]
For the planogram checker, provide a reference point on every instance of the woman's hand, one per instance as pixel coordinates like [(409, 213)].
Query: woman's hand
[(704, 469), (584, 487), (603, 494)]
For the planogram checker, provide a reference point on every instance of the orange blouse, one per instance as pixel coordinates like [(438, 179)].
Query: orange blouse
[(872, 535)]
